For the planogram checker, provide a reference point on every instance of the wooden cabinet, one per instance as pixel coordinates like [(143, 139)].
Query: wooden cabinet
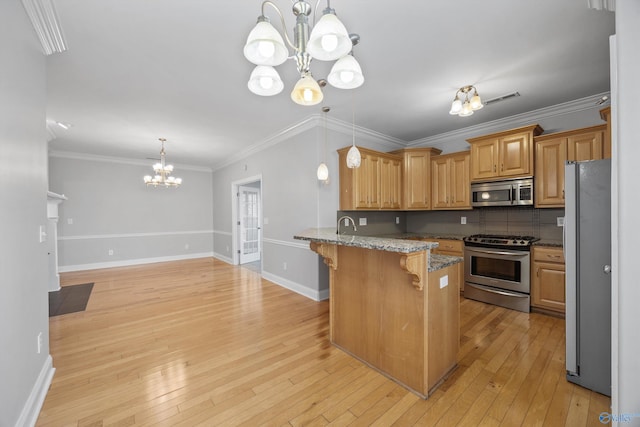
[(507, 154), (416, 181), (390, 183), (547, 279), (450, 182), (451, 248), (553, 150), (376, 184), (605, 114)]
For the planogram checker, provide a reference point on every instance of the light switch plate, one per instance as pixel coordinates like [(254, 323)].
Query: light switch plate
[(560, 221), (463, 220)]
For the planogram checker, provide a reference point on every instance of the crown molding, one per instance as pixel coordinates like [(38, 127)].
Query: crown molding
[(45, 21), (515, 121), (120, 160), (309, 123)]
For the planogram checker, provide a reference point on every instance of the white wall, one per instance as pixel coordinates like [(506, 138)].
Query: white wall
[(626, 357), (110, 208), (24, 374)]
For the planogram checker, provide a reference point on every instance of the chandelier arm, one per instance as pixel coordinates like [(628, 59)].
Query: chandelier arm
[(315, 11), (284, 25)]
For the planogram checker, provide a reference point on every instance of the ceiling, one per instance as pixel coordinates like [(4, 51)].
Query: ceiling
[(138, 70)]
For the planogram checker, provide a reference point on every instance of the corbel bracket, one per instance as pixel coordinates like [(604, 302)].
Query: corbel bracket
[(328, 252), (416, 265)]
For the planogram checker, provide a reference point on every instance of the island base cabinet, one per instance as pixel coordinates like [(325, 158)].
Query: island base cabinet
[(379, 316)]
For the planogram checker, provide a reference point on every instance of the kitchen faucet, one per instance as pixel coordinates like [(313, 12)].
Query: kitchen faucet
[(350, 219)]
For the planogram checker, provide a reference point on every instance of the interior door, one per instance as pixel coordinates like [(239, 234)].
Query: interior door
[(248, 208)]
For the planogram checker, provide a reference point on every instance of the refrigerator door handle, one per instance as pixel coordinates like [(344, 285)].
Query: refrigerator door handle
[(571, 279)]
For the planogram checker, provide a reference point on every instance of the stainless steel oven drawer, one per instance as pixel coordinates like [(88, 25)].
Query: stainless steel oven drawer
[(508, 299)]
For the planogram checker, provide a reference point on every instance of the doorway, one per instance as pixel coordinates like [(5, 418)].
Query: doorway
[(247, 224)]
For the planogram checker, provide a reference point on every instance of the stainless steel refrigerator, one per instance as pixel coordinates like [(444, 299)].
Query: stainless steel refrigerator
[(587, 244)]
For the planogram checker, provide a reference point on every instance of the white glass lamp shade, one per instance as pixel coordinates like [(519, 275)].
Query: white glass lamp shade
[(323, 172), (307, 91), (346, 73), (456, 106), (466, 109), (265, 45), (353, 157), (476, 102), (147, 179), (265, 81), (329, 39)]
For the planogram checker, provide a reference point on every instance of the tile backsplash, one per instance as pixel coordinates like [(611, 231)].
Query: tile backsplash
[(541, 223)]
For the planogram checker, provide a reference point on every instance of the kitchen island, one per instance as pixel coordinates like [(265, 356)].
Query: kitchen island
[(393, 305)]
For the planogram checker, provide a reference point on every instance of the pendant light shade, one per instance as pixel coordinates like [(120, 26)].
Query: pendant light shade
[(329, 39), (353, 157), (466, 108), (346, 73), (265, 81), (323, 172), (307, 91), (265, 45)]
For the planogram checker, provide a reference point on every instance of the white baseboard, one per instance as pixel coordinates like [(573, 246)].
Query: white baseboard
[(223, 258), (32, 406), (129, 262), (296, 287)]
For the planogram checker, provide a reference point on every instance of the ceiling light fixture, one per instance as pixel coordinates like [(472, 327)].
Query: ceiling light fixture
[(468, 106), (162, 171), (327, 41), (323, 170), (63, 125)]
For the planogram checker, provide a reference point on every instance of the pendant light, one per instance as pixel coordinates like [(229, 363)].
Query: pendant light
[(466, 108), (323, 170), (353, 155)]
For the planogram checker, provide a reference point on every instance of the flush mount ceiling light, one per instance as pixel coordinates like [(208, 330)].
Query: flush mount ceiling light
[(462, 105), (327, 41), (162, 172)]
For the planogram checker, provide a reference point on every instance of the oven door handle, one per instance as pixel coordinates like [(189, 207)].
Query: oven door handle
[(519, 254)]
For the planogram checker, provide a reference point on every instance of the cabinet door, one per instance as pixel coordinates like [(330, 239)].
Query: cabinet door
[(586, 146), (374, 181), (362, 186), (459, 182), (550, 159), (416, 193), (515, 155), (548, 289), (484, 159), (439, 183), (390, 177)]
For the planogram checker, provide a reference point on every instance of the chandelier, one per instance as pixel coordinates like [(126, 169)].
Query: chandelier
[(466, 108), (162, 172), (327, 41)]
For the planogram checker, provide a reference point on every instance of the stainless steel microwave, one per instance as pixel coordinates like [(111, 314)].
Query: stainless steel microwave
[(513, 192)]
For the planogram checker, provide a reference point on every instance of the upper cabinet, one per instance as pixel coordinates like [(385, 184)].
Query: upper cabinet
[(416, 173), (605, 114), (507, 154), (376, 184), (553, 150), (450, 183)]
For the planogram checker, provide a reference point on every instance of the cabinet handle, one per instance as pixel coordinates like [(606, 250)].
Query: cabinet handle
[(502, 167), (537, 271), (494, 168), (563, 193), (553, 256)]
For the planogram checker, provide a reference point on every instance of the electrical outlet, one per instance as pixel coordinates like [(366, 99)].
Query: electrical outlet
[(43, 234), (227, 248), (346, 222), (444, 281), (186, 246), (40, 343), (362, 221), (284, 265), (560, 221), (70, 221), (265, 221), (463, 220), (397, 220), (110, 252)]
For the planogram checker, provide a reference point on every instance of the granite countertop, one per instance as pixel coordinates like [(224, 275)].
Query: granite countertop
[(389, 244), (328, 235), (549, 243)]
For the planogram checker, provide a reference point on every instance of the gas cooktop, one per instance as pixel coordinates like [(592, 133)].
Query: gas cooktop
[(499, 240)]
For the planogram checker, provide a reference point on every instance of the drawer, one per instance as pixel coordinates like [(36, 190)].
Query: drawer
[(450, 246), (547, 254)]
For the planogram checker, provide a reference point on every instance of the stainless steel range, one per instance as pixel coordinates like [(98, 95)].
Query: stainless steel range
[(497, 270)]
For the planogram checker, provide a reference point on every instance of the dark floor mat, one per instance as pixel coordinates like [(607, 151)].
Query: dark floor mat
[(69, 299)]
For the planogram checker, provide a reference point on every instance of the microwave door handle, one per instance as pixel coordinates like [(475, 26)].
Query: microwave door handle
[(513, 194)]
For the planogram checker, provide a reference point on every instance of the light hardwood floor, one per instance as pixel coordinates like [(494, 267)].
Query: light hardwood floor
[(201, 342)]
